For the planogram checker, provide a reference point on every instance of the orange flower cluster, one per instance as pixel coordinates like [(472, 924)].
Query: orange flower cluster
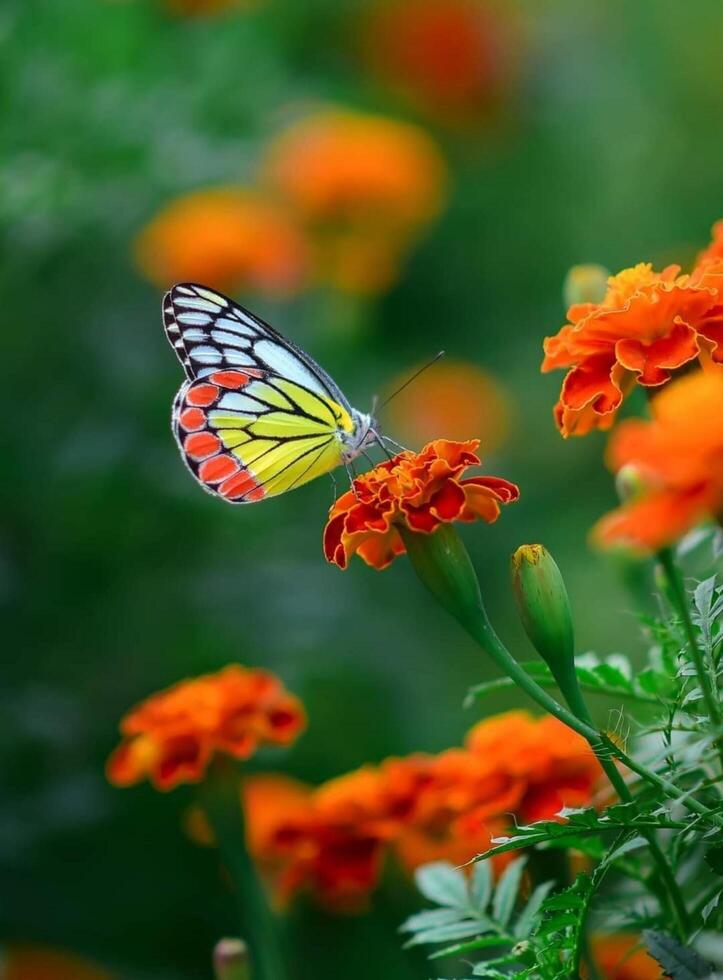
[(453, 58), (363, 186), (678, 457), (417, 490), (332, 840), (649, 325), (227, 237), (172, 737)]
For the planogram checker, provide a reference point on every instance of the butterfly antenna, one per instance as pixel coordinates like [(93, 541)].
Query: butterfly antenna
[(414, 377)]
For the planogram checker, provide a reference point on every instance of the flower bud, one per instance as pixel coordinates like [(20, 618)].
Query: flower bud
[(442, 562), (544, 609), (231, 960), (629, 483), (585, 284)]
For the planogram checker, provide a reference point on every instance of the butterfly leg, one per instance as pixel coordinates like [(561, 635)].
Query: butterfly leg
[(334, 488), (397, 445), (351, 473)]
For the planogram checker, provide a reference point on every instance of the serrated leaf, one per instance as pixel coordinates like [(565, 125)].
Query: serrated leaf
[(527, 917), (445, 934), (442, 883), (710, 907), (506, 892), (460, 949), (480, 885), (678, 962), (430, 919)]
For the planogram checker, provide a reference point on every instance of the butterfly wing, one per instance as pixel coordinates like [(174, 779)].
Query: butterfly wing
[(256, 415)]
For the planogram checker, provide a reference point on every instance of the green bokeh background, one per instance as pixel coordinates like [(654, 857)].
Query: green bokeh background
[(118, 576)]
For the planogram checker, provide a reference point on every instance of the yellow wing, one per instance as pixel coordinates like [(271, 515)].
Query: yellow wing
[(257, 416)]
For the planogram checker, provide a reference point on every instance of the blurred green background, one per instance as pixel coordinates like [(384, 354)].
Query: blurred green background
[(119, 576)]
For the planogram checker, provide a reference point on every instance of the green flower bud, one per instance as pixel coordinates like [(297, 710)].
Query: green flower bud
[(629, 483), (585, 284), (442, 562), (231, 960), (544, 609)]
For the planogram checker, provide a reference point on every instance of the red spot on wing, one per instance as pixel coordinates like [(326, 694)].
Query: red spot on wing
[(230, 379), (192, 418), (241, 485), (202, 394), (219, 468), (200, 445)]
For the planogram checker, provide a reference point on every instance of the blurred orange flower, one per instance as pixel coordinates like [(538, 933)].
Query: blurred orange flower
[(621, 957), (649, 325), (364, 187), (550, 766), (25, 962), (226, 237), (419, 490), (453, 397), (454, 58), (679, 458), (172, 737), (332, 841), (321, 841)]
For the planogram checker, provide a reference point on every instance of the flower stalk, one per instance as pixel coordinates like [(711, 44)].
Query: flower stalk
[(220, 799), (445, 568)]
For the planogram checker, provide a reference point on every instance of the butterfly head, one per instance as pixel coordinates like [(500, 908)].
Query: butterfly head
[(362, 435)]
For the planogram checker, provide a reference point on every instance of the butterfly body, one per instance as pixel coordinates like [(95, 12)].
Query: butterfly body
[(256, 416)]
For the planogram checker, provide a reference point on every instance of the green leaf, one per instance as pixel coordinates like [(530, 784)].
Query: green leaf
[(678, 962), (430, 919), (505, 895), (480, 885), (442, 883), (529, 914), (460, 949), (445, 934)]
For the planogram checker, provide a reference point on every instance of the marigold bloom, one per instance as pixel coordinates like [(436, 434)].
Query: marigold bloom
[(322, 841), (364, 186), (226, 237), (679, 456), (454, 58), (454, 397), (418, 490), (551, 765), (172, 737), (25, 962), (648, 325), (621, 957)]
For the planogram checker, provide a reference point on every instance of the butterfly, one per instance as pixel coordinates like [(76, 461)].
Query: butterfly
[(256, 415)]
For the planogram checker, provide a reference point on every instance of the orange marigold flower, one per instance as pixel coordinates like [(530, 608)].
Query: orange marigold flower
[(552, 766), (364, 186), (679, 457), (25, 962), (648, 325), (418, 490), (172, 737), (227, 237), (621, 957), (454, 58), (323, 841)]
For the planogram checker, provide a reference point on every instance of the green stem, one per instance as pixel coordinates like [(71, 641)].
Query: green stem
[(221, 802), (582, 723), (677, 590)]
